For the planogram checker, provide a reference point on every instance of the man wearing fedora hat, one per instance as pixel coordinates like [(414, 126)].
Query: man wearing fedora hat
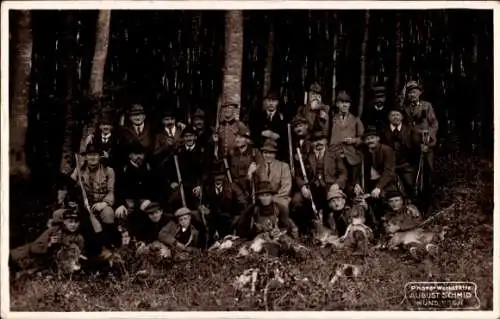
[(225, 137), (267, 121), (193, 161), (107, 140), (301, 137), (398, 135), (222, 202), (315, 112), (204, 132), (325, 171), (243, 160), (346, 133), (377, 112), (276, 172), (418, 112), (169, 138), (138, 129), (265, 215)]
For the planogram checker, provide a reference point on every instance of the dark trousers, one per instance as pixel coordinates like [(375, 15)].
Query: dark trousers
[(301, 208), (406, 175)]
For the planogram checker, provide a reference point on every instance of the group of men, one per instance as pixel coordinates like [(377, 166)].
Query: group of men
[(182, 187)]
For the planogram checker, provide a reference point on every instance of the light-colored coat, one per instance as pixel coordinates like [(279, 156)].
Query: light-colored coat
[(280, 179)]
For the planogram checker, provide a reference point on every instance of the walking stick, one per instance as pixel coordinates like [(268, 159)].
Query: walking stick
[(96, 225), (290, 150), (179, 179), (419, 182), (228, 172), (306, 180), (217, 125)]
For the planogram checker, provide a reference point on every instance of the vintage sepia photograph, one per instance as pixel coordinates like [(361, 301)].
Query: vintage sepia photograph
[(260, 159)]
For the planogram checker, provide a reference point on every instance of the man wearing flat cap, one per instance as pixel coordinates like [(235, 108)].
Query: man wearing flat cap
[(138, 129), (325, 171), (315, 112), (243, 160), (270, 123), (345, 135), (179, 234), (377, 112), (225, 137)]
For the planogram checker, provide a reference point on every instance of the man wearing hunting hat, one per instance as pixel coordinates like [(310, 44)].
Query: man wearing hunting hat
[(398, 135), (192, 160), (325, 171), (179, 234), (315, 112), (276, 172), (107, 140), (138, 129), (243, 160), (225, 137), (337, 211), (345, 135), (169, 138), (264, 123), (222, 202), (265, 215), (136, 183), (301, 138), (377, 112)]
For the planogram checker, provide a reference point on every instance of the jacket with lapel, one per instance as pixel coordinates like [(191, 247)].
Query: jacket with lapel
[(334, 170)]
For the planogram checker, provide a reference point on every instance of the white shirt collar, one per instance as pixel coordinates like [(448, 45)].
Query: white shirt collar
[(393, 127), (172, 129), (190, 148), (140, 127), (105, 136), (271, 114), (378, 108)]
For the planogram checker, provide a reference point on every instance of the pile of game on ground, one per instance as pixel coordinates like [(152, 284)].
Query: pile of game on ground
[(208, 282)]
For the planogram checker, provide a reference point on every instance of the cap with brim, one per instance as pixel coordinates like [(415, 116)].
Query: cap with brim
[(315, 88), (106, 119), (297, 120), (182, 212), (272, 95), (199, 114), (188, 130), (396, 108), (152, 208), (136, 109), (69, 214), (136, 148), (393, 193), (343, 97), (91, 149), (336, 193), (167, 113), (269, 146), (264, 187), (243, 131), (413, 85), (318, 135), (371, 131), (379, 91)]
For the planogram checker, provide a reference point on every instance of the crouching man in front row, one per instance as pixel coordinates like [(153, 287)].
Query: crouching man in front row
[(53, 245), (180, 236)]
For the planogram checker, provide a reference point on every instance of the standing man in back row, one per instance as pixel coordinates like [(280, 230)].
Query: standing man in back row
[(315, 112), (225, 138)]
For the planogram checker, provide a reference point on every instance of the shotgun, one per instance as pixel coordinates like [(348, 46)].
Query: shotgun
[(228, 172), (419, 182), (179, 179), (96, 225), (290, 150), (253, 177), (217, 125), (306, 180)]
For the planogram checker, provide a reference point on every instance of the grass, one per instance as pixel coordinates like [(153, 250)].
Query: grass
[(204, 283)]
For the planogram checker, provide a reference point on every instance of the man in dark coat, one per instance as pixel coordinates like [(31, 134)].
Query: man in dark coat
[(168, 139), (325, 171), (315, 112), (138, 130), (398, 136), (192, 165), (222, 202), (377, 112), (204, 132), (268, 121), (265, 215), (224, 138)]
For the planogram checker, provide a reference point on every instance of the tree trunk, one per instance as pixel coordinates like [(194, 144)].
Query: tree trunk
[(334, 61), (363, 65), (96, 82), (23, 47), (233, 64), (69, 73), (397, 67), (269, 62)]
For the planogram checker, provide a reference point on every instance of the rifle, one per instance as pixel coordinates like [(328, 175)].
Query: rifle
[(306, 180), (228, 172), (96, 225), (203, 219), (253, 178), (290, 150), (217, 125), (419, 181)]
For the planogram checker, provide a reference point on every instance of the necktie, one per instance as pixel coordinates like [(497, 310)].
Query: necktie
[(268, 170)]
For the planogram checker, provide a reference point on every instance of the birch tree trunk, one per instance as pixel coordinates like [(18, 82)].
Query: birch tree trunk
[(363, 65), (233, 64), (23, 48), (96, 82), (269, 62)]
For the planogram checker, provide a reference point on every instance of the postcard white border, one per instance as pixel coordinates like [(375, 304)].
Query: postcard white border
[(224, 5)]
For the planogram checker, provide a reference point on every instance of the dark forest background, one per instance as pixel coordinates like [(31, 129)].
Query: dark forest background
[(181, 53)]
